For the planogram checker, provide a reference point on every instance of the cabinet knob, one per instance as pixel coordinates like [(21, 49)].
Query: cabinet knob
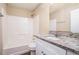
[(43, 53)]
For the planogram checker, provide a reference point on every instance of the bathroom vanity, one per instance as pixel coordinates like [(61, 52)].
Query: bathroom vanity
[(47, 45)]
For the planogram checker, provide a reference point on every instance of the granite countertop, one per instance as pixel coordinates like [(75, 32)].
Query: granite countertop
[(64, 42)]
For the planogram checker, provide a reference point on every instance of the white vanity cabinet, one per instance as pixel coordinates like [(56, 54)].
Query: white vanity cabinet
[(45, 48), (42, 50)]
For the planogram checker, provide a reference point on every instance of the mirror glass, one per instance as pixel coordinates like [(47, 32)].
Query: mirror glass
[(75, 21)]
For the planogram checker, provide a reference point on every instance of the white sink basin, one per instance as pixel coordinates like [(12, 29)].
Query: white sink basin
[(52, 38)]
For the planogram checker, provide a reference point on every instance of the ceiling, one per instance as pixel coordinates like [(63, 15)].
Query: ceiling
[(56, 6), (32, 6), (28, 6)]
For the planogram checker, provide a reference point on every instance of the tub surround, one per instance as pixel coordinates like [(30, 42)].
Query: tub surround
[(64, 42)]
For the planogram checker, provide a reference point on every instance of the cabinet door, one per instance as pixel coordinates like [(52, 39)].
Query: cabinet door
[(44, 50), (39, 49), (54, 50), (70, 53)]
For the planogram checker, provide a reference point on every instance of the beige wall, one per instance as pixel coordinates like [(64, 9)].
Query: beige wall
[(16, 11), (63, 17), (2, 9), (0, 37), (62, 23), (35, 24), (2, 6), (43, 13)]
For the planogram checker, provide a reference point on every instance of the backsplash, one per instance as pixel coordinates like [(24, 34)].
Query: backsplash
[(75, 35), (65, 33)]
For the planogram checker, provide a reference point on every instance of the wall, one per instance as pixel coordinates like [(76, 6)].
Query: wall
[(63, 17), (16, 11), (62, 23), (43, 12), (2, 9), (0, 36), (35, 24), (52, 25)]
